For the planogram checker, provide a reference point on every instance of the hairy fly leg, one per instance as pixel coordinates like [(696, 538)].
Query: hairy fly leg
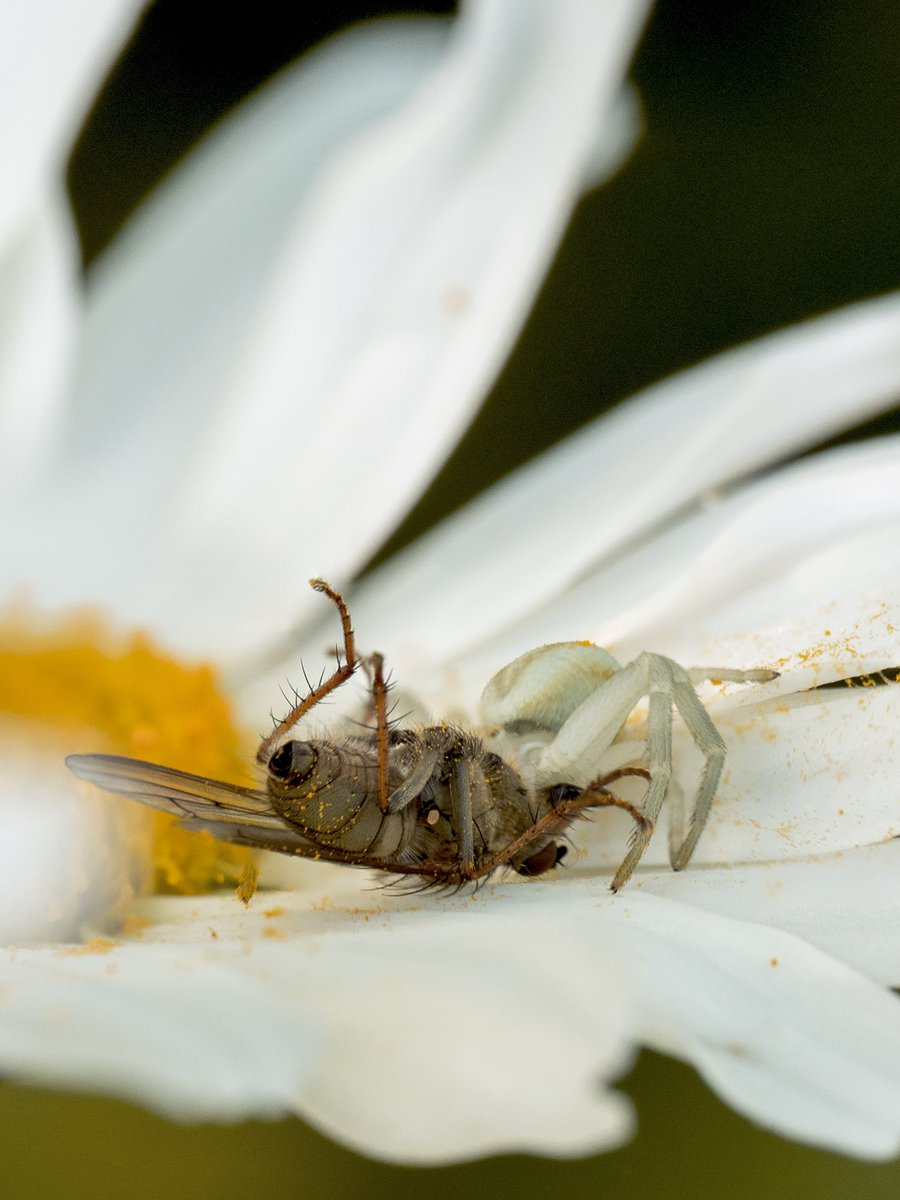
[(340, 675)]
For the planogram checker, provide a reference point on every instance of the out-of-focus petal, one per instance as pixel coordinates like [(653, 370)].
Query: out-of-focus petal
[(789, 1037), (50, 71), (67, 861), (51, 67), (305, 317), (39, 312), (527, 542), (400, 1029), (796, 571), (424, 245), (616, 138), (846, 904)]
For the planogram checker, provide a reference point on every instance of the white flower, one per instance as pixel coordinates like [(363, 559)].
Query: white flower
[(433, 1028)]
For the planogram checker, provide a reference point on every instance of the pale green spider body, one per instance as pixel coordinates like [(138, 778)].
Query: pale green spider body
[(559, 711)]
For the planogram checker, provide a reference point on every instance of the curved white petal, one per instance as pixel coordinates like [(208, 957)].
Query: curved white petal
[(307, 314), (751, 579), (50, 71), (419, 1032), (529, 540), (424, 246), (791, 1038), (68, 858), (796, 571), (794, 1040), (616, 138), (846, 904), (40, 308), (434, 1031)]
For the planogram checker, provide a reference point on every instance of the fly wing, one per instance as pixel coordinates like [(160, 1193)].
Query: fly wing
[(226, 810), (172, 791)]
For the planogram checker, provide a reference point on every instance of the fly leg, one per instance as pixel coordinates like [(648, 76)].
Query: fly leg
[(341, 675), (382, 741)]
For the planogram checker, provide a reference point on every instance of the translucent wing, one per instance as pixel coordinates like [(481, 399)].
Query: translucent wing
[(226, 810), (230, 812), (173, 791)]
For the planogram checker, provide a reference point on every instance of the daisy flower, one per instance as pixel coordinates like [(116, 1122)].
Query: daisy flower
[(372, 254)]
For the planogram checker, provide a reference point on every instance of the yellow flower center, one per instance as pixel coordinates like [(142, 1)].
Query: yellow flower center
[(120, 694)]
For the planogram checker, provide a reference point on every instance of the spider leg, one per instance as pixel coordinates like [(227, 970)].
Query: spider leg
[(677, 805), (709, 741), (659, 762), (729, 674), (587, 735)]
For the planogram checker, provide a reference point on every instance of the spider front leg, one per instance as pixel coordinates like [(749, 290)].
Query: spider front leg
[(669, 685), (592, 728)]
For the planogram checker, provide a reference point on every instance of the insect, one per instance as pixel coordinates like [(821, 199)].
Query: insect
[(442, 803)]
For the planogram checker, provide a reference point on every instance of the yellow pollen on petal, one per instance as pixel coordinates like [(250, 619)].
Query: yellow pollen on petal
[(72, 681)]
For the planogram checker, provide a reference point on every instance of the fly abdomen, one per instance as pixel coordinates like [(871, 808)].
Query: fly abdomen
[(330, 793)]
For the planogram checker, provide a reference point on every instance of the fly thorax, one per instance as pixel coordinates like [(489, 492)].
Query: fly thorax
[(330, 793), (507, 812)]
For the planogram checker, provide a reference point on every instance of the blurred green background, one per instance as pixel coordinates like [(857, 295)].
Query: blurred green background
[(764, 190)]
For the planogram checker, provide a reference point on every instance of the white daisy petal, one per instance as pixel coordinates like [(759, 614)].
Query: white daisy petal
[(846, 904), (402, 227), (808, 779), (791, 1038), (795, 571), (794, 1040), (756, 577), (49, 76), (616, 138), (798, 571), (526, 542), (395, 1026), (39, 312), (68, 860), (425, 245)]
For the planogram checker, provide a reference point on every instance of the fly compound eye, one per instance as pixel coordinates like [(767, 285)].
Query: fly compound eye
[(294, 762)]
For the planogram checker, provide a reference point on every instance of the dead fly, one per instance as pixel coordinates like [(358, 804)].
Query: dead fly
[(442, 803)]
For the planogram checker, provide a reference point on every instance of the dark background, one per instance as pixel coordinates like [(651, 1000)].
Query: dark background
[(764, 191)]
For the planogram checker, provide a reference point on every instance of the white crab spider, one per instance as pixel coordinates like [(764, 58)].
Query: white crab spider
[(557, 714)]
